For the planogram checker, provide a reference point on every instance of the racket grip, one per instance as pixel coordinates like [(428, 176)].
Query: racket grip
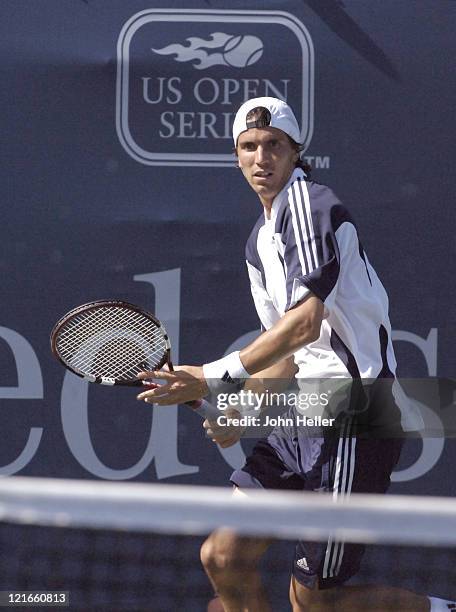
[(205, 409)]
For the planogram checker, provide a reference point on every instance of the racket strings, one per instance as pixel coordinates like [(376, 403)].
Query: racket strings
[(119, 353), (112, 342)]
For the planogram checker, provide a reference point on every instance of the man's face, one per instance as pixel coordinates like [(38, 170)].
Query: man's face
[(267, 159)]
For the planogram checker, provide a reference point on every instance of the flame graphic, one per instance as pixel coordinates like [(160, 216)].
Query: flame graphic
[(226, 50)]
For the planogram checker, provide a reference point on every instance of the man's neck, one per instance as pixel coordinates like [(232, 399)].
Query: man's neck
[(267, 205), (267, 202)]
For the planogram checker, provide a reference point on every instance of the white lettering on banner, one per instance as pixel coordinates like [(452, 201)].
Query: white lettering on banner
[(209, 91), (186, 125), (271, 90), (168, 124), (432, 447), (75, 424), (231, 87), (251, 88), (212, 69), (162, 444), (428, 346), (29, 378), (29, 386), (431, 450), (171, 86), (190, 125), (164, 424), (26, 455), (318, 162), (207, 124)]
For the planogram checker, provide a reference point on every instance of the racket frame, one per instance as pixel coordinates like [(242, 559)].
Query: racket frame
[(104, 380)]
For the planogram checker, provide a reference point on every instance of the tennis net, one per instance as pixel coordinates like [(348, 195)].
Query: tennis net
[(133, 546)]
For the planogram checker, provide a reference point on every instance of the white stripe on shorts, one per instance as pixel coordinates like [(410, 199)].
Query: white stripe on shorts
[(343, 482)]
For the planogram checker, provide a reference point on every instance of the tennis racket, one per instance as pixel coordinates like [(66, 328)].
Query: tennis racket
[(111, 342)]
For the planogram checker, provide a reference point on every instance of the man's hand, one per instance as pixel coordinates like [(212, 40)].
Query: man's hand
[(224, 435), (184, 384)]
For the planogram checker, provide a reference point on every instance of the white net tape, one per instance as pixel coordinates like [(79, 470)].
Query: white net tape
[(389, 519)]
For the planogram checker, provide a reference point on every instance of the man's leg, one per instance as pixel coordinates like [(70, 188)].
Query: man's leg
[(363, 465), (355, 599), (231, 563), (230, 560)]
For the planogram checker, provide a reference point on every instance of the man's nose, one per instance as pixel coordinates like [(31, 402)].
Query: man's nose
[(261, 155)]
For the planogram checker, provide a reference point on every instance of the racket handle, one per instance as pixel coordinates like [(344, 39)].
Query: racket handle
[(205, 409)]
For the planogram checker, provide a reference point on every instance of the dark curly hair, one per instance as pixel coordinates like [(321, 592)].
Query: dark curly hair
[(300, 163)]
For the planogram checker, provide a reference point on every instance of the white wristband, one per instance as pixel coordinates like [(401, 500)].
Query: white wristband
[(226, 374)]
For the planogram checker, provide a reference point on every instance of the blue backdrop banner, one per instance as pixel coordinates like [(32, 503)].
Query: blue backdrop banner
[(119, 181)]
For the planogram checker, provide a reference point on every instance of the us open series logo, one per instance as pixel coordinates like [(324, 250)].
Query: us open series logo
[(182, 74)]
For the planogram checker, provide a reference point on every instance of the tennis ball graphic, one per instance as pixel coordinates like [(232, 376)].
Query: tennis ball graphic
[(241, 51)]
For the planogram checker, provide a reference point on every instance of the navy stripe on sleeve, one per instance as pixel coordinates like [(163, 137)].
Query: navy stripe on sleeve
[(307, 222), (251, 250)]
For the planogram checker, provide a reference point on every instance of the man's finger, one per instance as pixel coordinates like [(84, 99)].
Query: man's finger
[(149, 385), (155, 393), (145, 374), (163, 374)]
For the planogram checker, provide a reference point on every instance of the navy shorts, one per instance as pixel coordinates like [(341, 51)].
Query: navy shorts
[(340, 463)]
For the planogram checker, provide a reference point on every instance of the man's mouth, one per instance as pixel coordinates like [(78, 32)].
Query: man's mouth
[(262, 174)]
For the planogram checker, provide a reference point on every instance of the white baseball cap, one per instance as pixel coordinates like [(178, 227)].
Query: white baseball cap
[(277, 114)]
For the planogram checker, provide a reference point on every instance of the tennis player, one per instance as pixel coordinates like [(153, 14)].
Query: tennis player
[(324, 313)]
